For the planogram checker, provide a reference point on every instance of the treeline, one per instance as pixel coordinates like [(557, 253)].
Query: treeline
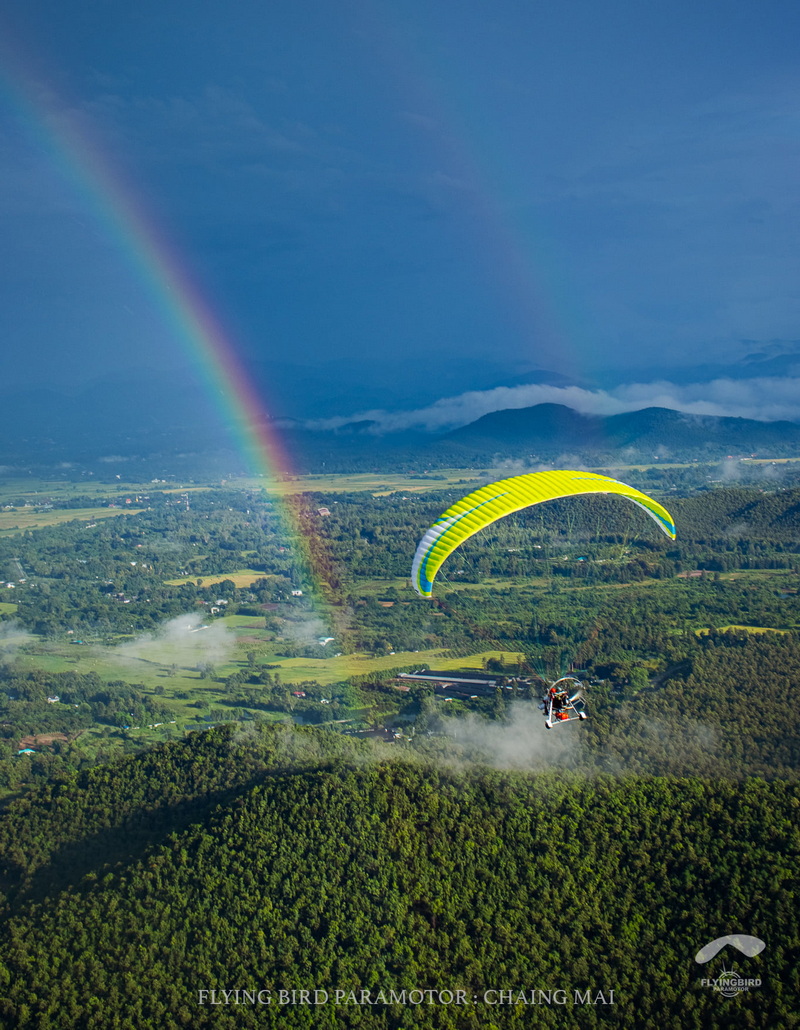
[(24, 698), (138, 795), (727, 711), (374, 536), (610, 632)]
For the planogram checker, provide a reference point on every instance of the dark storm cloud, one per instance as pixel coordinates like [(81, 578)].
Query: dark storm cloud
[(607, 194)]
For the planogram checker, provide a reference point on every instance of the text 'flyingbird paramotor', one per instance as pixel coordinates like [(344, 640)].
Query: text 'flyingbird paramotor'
[(486, 505)]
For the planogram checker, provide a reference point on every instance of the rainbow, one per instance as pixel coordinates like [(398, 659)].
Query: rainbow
[(79, 158), (518, 263)]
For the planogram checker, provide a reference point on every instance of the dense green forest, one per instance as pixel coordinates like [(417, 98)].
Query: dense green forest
[(358, 875), (289, 858)]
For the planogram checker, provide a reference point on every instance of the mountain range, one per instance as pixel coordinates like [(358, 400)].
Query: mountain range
[(154, 421), (551, 433), (655, 432)]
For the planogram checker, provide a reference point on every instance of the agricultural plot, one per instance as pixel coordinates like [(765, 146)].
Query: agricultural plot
[(19, 520), (163, 666), (240, 578), (327, 671), (37, 491), (111, 666), (368, 482), (744, 629)]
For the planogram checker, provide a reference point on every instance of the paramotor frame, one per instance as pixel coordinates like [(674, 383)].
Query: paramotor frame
[(563, 702)]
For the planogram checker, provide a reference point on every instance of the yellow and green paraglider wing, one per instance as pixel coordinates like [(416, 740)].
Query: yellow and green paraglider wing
[(484, 506)]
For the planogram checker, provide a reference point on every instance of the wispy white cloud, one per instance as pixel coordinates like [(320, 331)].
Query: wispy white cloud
[(185, 641), (519, 742), (765, 398), (305, 631), (12, 638)]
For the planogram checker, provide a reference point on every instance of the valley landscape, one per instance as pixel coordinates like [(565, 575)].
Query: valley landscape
[(211, 726)]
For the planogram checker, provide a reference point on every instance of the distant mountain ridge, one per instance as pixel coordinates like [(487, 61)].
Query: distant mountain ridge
[(545, 427), (158, 422)]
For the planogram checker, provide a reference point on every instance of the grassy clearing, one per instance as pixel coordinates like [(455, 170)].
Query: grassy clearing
[(444, 585), (371, 482), (327, 671), (756, 574), (7, 608), (173, 679), (378, 587), (705, 630), (241, 578), (477, 661), (182, 690), (406, 593), (110, 666), (613, 467), (634, 584), (768, 461), (247, 621), (39, 491), (21, 519)]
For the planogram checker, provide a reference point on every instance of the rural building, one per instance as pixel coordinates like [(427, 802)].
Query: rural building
[(462, 678)]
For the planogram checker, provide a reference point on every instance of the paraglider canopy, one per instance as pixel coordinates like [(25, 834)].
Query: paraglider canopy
[(486, 505)]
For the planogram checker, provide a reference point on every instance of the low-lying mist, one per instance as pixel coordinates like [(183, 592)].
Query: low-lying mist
[(186, 641)]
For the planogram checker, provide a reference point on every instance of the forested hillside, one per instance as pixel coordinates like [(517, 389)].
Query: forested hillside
[(391, 877), (298, 859), (730, 710)]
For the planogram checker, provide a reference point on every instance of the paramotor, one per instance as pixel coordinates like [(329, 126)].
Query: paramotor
[(563, 702)]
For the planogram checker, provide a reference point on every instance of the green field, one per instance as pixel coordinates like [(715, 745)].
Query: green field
[(755, 574), (768, 461), (38, 491), (241, 578), (14, 489), (747, 629), (41, 491), (334, 670), (166, 669), (18, 520), (368, 482)]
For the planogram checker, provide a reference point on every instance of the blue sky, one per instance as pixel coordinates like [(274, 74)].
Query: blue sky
[(418, 207)]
